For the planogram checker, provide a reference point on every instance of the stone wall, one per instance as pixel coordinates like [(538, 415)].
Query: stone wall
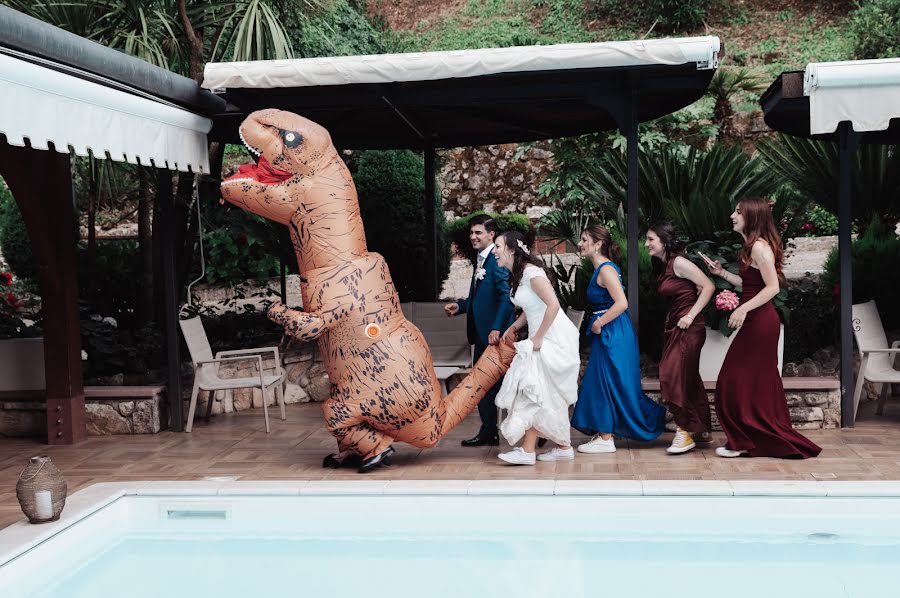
[(810, 409), (141, 415), (499, 178)]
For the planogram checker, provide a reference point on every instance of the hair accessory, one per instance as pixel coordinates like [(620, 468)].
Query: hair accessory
[(522, 246)]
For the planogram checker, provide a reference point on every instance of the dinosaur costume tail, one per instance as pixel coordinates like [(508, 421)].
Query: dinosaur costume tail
[(486, 373)]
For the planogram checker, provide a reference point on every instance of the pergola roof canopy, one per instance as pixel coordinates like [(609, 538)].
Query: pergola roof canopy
[(812, 103), (58, 88), (470, 97)]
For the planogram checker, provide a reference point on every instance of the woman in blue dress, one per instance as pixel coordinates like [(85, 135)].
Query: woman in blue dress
[(611, 401)]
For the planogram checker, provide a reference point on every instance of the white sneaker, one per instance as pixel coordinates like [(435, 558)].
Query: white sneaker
[(682, 443), (598, 445), (517, 456), (728, 453), (557, 454)]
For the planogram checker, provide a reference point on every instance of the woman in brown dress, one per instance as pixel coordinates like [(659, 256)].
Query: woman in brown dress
[(688, 290), (750, 401)]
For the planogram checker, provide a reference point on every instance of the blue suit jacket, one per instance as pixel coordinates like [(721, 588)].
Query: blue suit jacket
[(488, 306)]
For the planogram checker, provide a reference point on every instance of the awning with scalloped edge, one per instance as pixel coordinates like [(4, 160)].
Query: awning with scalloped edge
[(46, 106)]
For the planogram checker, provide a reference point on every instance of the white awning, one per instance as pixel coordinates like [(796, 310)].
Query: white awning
[(44, 105), (430, 66), (864, 92)]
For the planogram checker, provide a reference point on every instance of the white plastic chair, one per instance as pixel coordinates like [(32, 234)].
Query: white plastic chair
[(206, 371), (877, 359)]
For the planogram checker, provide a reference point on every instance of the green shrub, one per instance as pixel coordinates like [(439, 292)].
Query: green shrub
[(459, 230), (340, 30), (818, 222), (875, 29), (14, 241), (668, 15), (241, 246), (813, 319), (118, 272), (876, 255), (391, 189)]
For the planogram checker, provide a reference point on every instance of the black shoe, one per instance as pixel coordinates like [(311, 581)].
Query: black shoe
[(483, 439), (382, 458), (332, 462), (541, 442)]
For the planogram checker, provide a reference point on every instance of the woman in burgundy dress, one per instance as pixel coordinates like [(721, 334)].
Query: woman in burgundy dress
[(750, 401), (688, 290)]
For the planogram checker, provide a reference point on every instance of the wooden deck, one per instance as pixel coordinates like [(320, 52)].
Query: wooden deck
[(237, 446)]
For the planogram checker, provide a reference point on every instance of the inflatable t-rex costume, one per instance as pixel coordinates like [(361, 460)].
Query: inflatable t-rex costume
[(383, 383)]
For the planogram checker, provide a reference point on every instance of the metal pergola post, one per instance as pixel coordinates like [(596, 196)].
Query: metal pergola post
[(632, 208), (847, 143), (431, 228), (173, 360)]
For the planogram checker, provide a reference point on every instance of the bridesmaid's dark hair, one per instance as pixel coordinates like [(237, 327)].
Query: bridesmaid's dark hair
[(517, 242), (668, 236), (601, 234)]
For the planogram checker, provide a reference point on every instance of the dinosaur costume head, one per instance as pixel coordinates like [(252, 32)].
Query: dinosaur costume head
[(383, 384), (299, 180)]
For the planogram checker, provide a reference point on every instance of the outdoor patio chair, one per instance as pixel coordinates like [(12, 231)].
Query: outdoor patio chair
[(877, 359), (576, 316), (451, 352), (206, 371)]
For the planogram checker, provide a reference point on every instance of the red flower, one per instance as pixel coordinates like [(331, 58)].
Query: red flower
[(13, 301), (808, 227), (6, 278), (241, 239), (837, 289)]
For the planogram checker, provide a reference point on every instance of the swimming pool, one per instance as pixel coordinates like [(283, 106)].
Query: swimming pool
[(461, 538)]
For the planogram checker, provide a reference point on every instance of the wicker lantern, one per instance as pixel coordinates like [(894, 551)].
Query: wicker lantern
[(41, 490)]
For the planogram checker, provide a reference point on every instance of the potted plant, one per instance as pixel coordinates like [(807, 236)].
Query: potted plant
[(719, 334)]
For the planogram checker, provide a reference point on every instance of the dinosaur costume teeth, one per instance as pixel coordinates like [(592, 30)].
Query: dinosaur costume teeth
[(383, 387)]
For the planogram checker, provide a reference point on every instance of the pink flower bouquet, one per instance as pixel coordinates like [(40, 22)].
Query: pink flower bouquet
[(727, 301)]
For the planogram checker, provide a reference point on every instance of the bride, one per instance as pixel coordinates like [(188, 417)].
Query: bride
[(542, 381)]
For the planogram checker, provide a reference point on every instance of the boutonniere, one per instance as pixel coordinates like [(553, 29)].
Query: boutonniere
[(479, 274)]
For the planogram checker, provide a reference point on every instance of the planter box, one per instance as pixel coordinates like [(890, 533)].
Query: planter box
[(715, 348), (22, 364)]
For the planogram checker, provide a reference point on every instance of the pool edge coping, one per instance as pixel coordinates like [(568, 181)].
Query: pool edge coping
[(21, 536)]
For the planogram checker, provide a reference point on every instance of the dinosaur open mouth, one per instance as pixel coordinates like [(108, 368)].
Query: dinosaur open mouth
[(261, 172)]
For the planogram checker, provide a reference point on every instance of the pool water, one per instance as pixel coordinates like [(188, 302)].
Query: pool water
[(439, 547)]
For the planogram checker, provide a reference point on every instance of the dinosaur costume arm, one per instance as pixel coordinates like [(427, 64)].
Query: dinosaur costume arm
[(302, 325)]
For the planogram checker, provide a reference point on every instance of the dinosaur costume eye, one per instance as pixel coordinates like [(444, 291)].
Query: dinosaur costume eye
[(291, 139)]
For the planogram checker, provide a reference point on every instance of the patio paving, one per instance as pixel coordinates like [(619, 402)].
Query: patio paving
[(236, 446)]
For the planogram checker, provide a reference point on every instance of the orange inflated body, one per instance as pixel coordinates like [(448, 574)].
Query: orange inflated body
[(383, 386)]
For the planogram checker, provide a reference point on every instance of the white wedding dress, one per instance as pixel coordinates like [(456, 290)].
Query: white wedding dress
[(540, 385)]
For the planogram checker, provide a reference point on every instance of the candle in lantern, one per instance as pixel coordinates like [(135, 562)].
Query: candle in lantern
[(43, 504)]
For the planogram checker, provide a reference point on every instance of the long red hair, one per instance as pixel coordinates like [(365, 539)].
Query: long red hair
[(760, 224)]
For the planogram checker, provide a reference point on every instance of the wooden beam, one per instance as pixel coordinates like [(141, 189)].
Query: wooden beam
[(41, 182)]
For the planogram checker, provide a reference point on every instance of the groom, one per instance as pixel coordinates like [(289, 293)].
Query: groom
[(489, 312)]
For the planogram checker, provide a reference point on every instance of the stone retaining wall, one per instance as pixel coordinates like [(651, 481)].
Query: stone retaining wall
[(134, 415), (810, 409)]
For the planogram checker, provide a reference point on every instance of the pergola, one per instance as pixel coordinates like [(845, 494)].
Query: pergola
[(430, 100), (847, 103), (60, 93), (115, 106)]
